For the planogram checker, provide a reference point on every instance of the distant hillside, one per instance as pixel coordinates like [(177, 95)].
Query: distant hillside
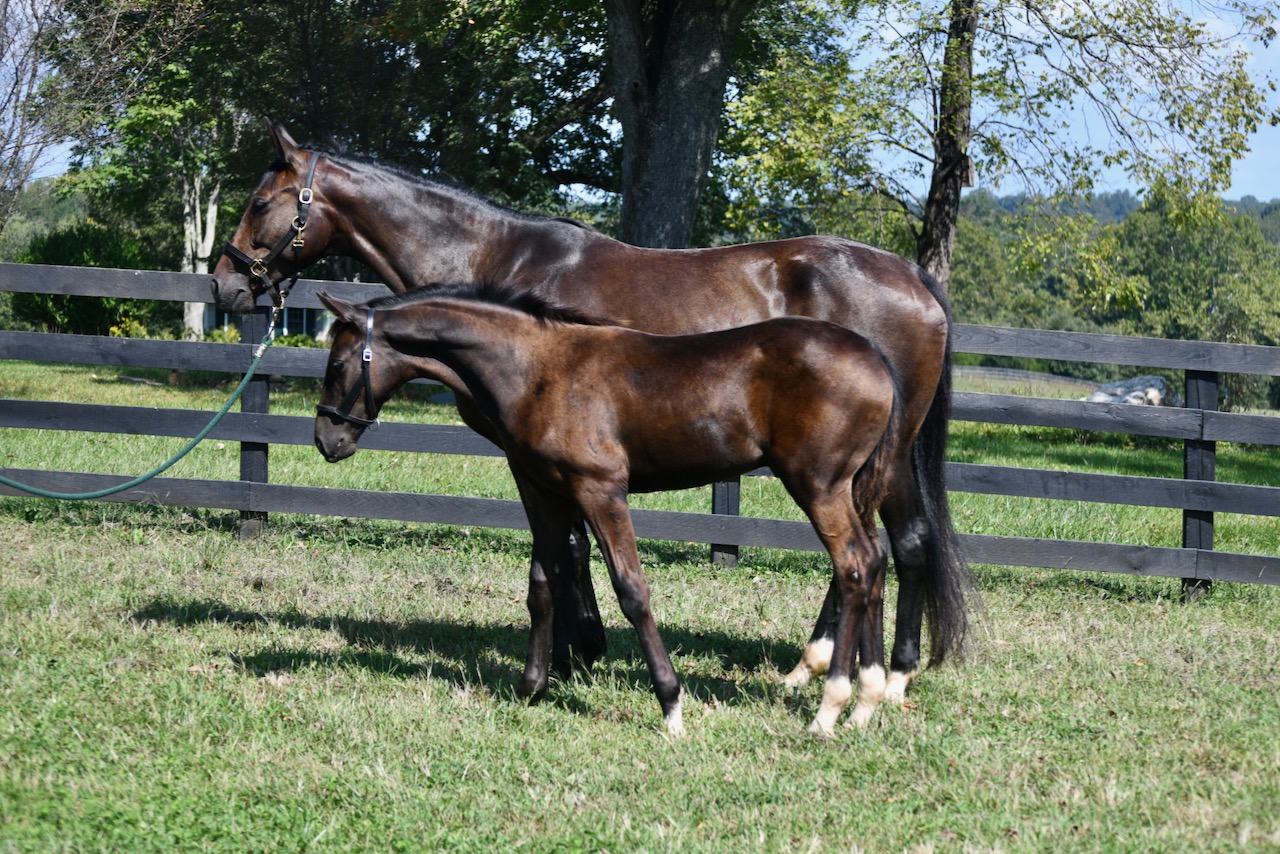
[(1113, 207), (1266, 213)]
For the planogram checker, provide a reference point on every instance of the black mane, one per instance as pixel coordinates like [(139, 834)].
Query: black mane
[(406, 174), (494, 294)]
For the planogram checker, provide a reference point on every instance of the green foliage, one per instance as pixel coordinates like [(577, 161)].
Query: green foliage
[(91, 244), (43, 206), (845, 117), (298, 340), (1267, 215), (223, 335)]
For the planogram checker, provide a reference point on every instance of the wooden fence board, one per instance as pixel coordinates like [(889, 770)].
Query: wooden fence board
[(450, 439), (163, 491), (1117, 349), (689, 527), (1077, 414), (1173, 493), (1075, 554), (263, 429), (1238, 427), (235, 426)]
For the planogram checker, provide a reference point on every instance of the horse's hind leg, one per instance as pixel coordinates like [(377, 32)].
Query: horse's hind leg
[(578, 632), (908, 530), (871, 678), (815, 659), (909, 560), (857, 562)]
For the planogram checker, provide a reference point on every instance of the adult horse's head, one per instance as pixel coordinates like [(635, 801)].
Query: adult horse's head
[(286, 227)]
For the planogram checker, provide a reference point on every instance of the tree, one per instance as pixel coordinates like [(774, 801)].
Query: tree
[(22, 141), (1042, 93), (671, 61), (84, 40)]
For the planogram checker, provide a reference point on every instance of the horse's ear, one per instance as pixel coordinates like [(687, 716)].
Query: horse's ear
[(286, 148), (342, 310)]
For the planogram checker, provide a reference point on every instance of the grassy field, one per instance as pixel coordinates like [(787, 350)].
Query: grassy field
[(348, 685)]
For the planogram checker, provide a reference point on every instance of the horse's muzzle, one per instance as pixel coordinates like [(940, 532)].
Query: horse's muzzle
[(230, 298), (332, 443)]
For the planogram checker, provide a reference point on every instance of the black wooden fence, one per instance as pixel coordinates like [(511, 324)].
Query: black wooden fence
[(1198, 425)]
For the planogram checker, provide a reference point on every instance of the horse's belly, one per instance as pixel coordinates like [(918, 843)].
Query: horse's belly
[(686, 461), (682, 478)]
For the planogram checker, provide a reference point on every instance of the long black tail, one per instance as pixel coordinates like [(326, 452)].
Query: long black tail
[(949, 581)]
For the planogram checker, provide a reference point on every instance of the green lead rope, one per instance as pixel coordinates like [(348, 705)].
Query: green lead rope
[(165, 466)]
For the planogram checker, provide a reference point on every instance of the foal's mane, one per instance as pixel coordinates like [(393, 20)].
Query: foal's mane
[(490, 293)]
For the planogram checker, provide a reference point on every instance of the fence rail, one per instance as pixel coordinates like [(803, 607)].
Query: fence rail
[(1197, 494)]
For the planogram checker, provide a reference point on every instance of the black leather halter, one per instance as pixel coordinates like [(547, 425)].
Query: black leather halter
[(343, 410), (258, 267)]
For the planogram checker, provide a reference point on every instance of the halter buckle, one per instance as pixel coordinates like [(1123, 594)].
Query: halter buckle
[(367, 355), (258, 268), (304, 196)]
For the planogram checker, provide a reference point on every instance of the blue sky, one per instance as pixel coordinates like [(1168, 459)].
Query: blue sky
[(1259, 173)]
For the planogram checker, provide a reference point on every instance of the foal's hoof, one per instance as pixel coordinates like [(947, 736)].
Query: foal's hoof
[(530, 691), (674, 720), (821, 730), (579, 653), (860, 716)]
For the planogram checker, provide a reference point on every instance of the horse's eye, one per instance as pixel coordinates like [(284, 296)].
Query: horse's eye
[(259, 205)]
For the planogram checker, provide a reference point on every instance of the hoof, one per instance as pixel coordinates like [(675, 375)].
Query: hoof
[(530, 692), (674, 720), (798, 678), (814, 661), (871, 691), (895, 689), (819, 730), (860, 716)]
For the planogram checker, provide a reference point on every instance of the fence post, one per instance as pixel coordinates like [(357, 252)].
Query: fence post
[(256, 398), (1198, 463), (725, 500)]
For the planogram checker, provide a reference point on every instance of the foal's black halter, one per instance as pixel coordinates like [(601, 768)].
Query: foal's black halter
[(343, 410), (258, 266)]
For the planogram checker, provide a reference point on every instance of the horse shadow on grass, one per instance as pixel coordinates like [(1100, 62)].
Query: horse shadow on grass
[(488, 655)]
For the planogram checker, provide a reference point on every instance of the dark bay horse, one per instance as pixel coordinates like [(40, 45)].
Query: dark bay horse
[(590, 413), (415, 232)]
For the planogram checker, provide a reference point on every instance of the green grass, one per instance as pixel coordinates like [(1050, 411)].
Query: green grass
[(349, 685)]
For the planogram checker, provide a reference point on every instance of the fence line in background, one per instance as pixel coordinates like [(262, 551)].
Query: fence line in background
[(1199, 425)]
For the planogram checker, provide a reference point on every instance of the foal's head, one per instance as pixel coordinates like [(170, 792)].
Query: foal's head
[(356, 382)]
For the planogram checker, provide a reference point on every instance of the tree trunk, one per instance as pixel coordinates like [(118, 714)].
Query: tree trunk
[(199, 221), (951, 164), (670, 62)]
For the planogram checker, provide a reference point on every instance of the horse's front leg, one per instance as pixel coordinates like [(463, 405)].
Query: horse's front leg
[(578, 632), (550, 518), (606, 510)]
